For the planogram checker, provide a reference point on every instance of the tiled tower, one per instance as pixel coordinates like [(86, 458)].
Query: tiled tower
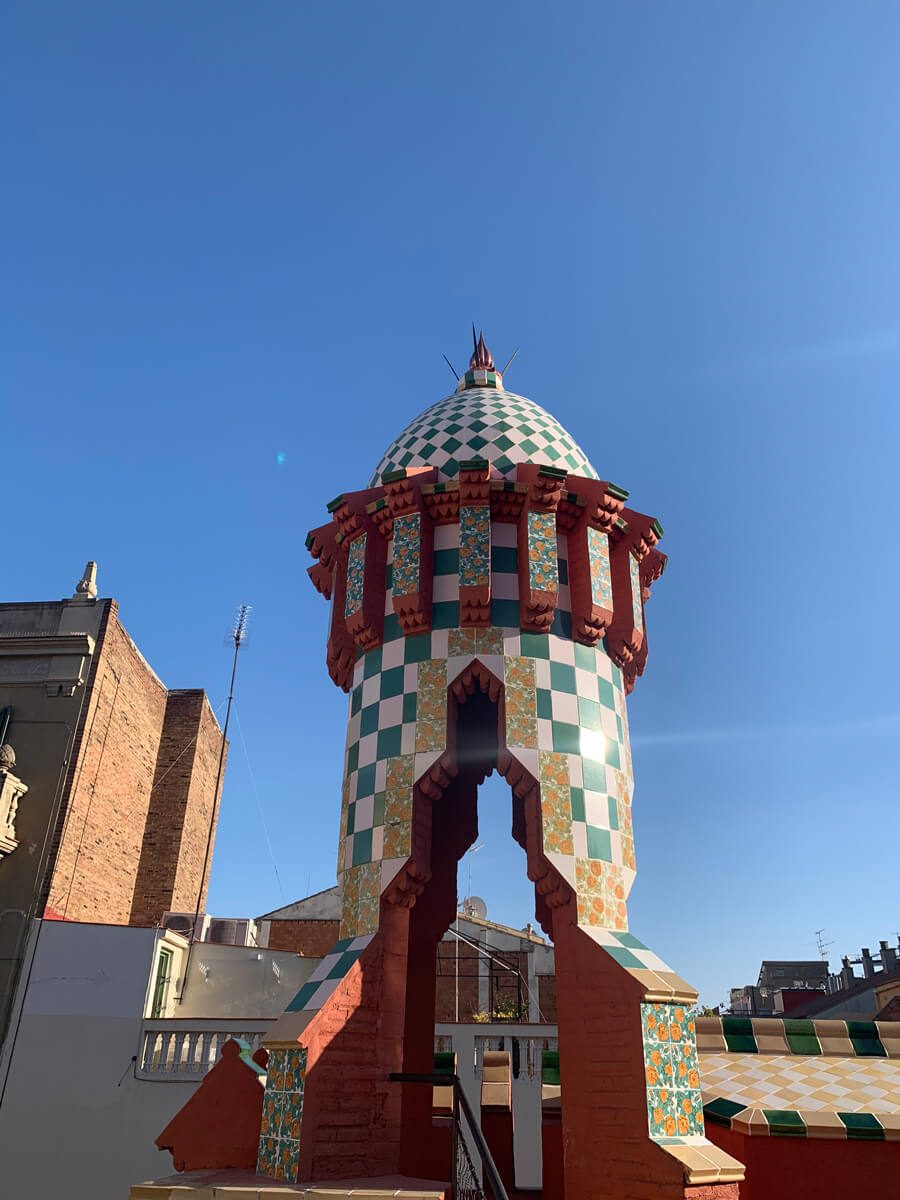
[(487, 612)]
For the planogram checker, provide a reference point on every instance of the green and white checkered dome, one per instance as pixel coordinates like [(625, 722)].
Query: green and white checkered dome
[(484, 422)]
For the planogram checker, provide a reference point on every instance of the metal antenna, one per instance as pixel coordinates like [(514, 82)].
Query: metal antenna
[(509, 363), (474, 338), (238, 636), (450, 365), (822, 946)]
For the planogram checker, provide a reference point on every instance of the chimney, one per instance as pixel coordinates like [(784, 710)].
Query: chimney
[(867, 965), (888, 957)]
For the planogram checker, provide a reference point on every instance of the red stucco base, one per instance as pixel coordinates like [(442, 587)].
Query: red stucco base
[(788, 1168), (219, 1125)]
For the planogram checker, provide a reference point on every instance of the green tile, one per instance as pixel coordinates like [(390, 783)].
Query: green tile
[(362, 847), (505, 614), (737, 1025), (445, 615), (417, 648), (613, 812), (544, 704), (563, 568), (351, 817), (355, 700), (613, 759), (868, 1048), (391, 683), (566, 739), (588, 713), (378, 810), (409, 707), (562, 678), (785, 1121), (392, 629), (533, 645), (562, 624), (389, 577), (504, 560), (629, 940), (585, 657), (372, 663), (576, 796), (594, 775), (862, 1126), (607, 696), (365, 781), (801, 1043), (352, 758), (720, 1111), (388, 745), (624, 957), (368, 720), (446, 562), (599, 844), (741, 1043)]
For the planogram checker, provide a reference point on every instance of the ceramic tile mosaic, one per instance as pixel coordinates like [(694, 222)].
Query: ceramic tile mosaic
[(637, 603), (562, 700), (672, 1072), (405, 560), (282, 1113), (601, 578), (356, 570), (474, 545), (486, 423), (328, 974), (543, 573)]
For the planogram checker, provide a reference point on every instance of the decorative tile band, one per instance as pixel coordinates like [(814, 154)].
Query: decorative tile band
[(356, 574), (672, 1072), (601, 577), (282, 1114), (407, 541), (543, 575), (474, 545), (794, 1035), (636, 600)]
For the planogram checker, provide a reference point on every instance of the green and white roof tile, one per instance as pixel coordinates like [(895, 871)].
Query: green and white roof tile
[(486, 423)]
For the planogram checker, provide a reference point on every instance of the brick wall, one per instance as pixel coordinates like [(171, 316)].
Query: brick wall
[(103, 819), (445, 1002), (178, 823), (312, 939), (131, 836)]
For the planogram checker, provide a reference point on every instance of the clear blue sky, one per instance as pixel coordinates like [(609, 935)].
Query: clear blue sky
[(243, 233)]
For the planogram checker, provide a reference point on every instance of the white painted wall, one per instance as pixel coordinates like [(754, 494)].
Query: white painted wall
[(75, 1122)]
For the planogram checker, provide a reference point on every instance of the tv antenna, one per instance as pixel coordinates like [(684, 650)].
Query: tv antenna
[(822, 946), (451, 366)]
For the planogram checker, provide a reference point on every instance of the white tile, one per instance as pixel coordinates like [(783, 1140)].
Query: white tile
[(446, 587), (353, 729), (512, 643), (564, 707), (596, 811), (408, 738), (390, 712), (388, 601), (504, 587), (368, 749), (576, 774), (562, 650), (503, 533), (542, 673), (439, 641), (446, 537), (545, 734), (364, 813), (380, 774), (586, 683), (377, 842), (392, 654), (608, 723), (579, 838), (371, 690), (615, 841), (410, 677)]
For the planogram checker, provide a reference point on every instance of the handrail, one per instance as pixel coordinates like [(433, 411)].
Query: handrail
[(488, 1165)]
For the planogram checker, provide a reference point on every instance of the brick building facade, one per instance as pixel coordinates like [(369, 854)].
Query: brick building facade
[(120, 774)]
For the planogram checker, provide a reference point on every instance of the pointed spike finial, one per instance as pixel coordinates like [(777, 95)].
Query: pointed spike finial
[(482, 359)]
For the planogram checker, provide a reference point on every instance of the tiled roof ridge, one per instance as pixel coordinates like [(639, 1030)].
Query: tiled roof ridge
[(816, 1123), (798, 1035)]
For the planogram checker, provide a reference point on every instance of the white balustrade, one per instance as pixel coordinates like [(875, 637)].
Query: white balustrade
[(183, 1051)]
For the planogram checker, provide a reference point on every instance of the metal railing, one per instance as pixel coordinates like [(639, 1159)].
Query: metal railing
[(466, 1181), (184, 1050)]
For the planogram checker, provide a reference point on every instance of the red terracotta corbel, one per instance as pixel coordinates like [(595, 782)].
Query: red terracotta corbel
[(364, 567)]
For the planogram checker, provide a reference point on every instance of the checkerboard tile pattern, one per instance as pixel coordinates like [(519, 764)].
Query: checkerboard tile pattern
[(796, 1035), (800, 1095), (486, 423), (566, 722), (279, 1142), (328, 974)]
